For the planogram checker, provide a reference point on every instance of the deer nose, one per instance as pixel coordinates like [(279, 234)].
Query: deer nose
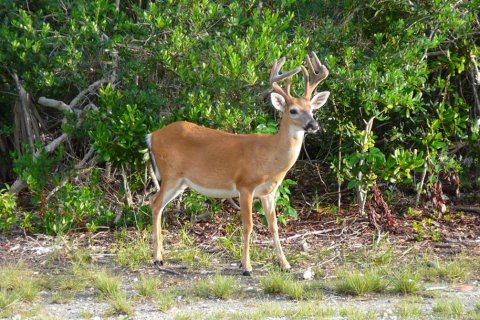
[(312, 126)]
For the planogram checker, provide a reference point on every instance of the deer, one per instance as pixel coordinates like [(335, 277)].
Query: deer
[(219, 164)]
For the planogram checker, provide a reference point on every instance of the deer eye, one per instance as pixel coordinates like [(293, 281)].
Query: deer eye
[(293, 111)]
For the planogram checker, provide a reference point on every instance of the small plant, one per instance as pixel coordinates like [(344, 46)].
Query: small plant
[(356, 314), (106, 284), (449, 308), (7, 210), (220, 287), (358, 283), (406, 282), (119, 304), (457, 269), (277, 282), (165, 299), (147, 286), (408, 309), (20, 282), (8, 301), (135, 253)]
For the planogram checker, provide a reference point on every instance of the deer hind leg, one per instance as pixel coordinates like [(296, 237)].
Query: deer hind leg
[(246, 199), (268, 204), (169, 190)]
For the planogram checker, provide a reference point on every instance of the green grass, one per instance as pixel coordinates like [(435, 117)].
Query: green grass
[(20, 281), (358, 283), (109, 288), (408, 309), (270, 310), (219, 286), (119, 304), (147, 287), (134, 253), (17, 284), (449, 308), (356, 314), (458, 269), (278, 282), (8, 301), (406, 281), (106, 284), (165, 299)]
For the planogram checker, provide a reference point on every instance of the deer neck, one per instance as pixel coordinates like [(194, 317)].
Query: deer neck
[(289, 142)]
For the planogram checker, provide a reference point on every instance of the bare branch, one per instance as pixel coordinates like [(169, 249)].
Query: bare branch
[(56, 104), (94, 86)]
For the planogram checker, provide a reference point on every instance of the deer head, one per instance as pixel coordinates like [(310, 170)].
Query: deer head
[(299, 110)]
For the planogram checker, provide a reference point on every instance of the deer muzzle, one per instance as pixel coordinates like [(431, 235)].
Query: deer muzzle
[(311, 126)]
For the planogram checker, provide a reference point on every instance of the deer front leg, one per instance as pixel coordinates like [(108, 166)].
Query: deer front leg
[(268, 204), (246, 199), (167, 193)]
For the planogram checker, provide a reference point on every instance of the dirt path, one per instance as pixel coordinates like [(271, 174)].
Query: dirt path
[(49, 258)]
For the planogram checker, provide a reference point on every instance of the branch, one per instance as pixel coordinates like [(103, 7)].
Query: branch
[(56, 104), (94, 86), (19, 184)]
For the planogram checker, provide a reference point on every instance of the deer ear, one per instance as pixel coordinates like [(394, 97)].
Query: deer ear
[(319, 100), (278, 101)]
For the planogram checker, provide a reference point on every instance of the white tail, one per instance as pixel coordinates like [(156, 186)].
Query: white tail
[(224, 165)]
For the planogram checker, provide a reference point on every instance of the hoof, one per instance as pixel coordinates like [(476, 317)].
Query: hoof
[(158, 263), (247, 273)]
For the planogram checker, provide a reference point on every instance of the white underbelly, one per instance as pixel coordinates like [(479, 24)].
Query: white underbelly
[(213, 192)]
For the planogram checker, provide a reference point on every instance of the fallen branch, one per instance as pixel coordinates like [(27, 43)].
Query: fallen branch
[(310, 233), (465, 209), (19, 184)]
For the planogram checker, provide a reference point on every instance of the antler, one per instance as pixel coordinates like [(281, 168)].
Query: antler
[(275, 77), (317, 71)]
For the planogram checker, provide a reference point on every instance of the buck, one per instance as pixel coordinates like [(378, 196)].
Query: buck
[(225, 165)]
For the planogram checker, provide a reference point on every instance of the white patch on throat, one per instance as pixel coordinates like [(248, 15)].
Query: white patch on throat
[(296, 133)]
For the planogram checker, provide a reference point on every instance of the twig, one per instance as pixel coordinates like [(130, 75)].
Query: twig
[(310, 233), (170, 271), (422, 180)]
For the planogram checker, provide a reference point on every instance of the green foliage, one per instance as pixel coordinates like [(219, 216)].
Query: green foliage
[(74, 207), (118, 130), (282, 202), (7, 210), (410, 65), (37, 173)]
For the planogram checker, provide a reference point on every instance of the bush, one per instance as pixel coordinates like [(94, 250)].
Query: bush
[(411, 67), (7, 210)]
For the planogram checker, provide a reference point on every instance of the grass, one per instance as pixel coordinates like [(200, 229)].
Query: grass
[(17, 284), (147, 287), (221, 287), (271, 310), (106, 284), (356, 314), (408, 309), (109, 288), (449, 308), (64, 287), (184, 253), (133, 253), (278, 282), (119, 304), (358, 284), (166, 299), (406, 281), (458, 269)]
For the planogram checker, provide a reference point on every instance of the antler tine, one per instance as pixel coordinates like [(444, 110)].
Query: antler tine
[(275, 77), (318, 72)]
